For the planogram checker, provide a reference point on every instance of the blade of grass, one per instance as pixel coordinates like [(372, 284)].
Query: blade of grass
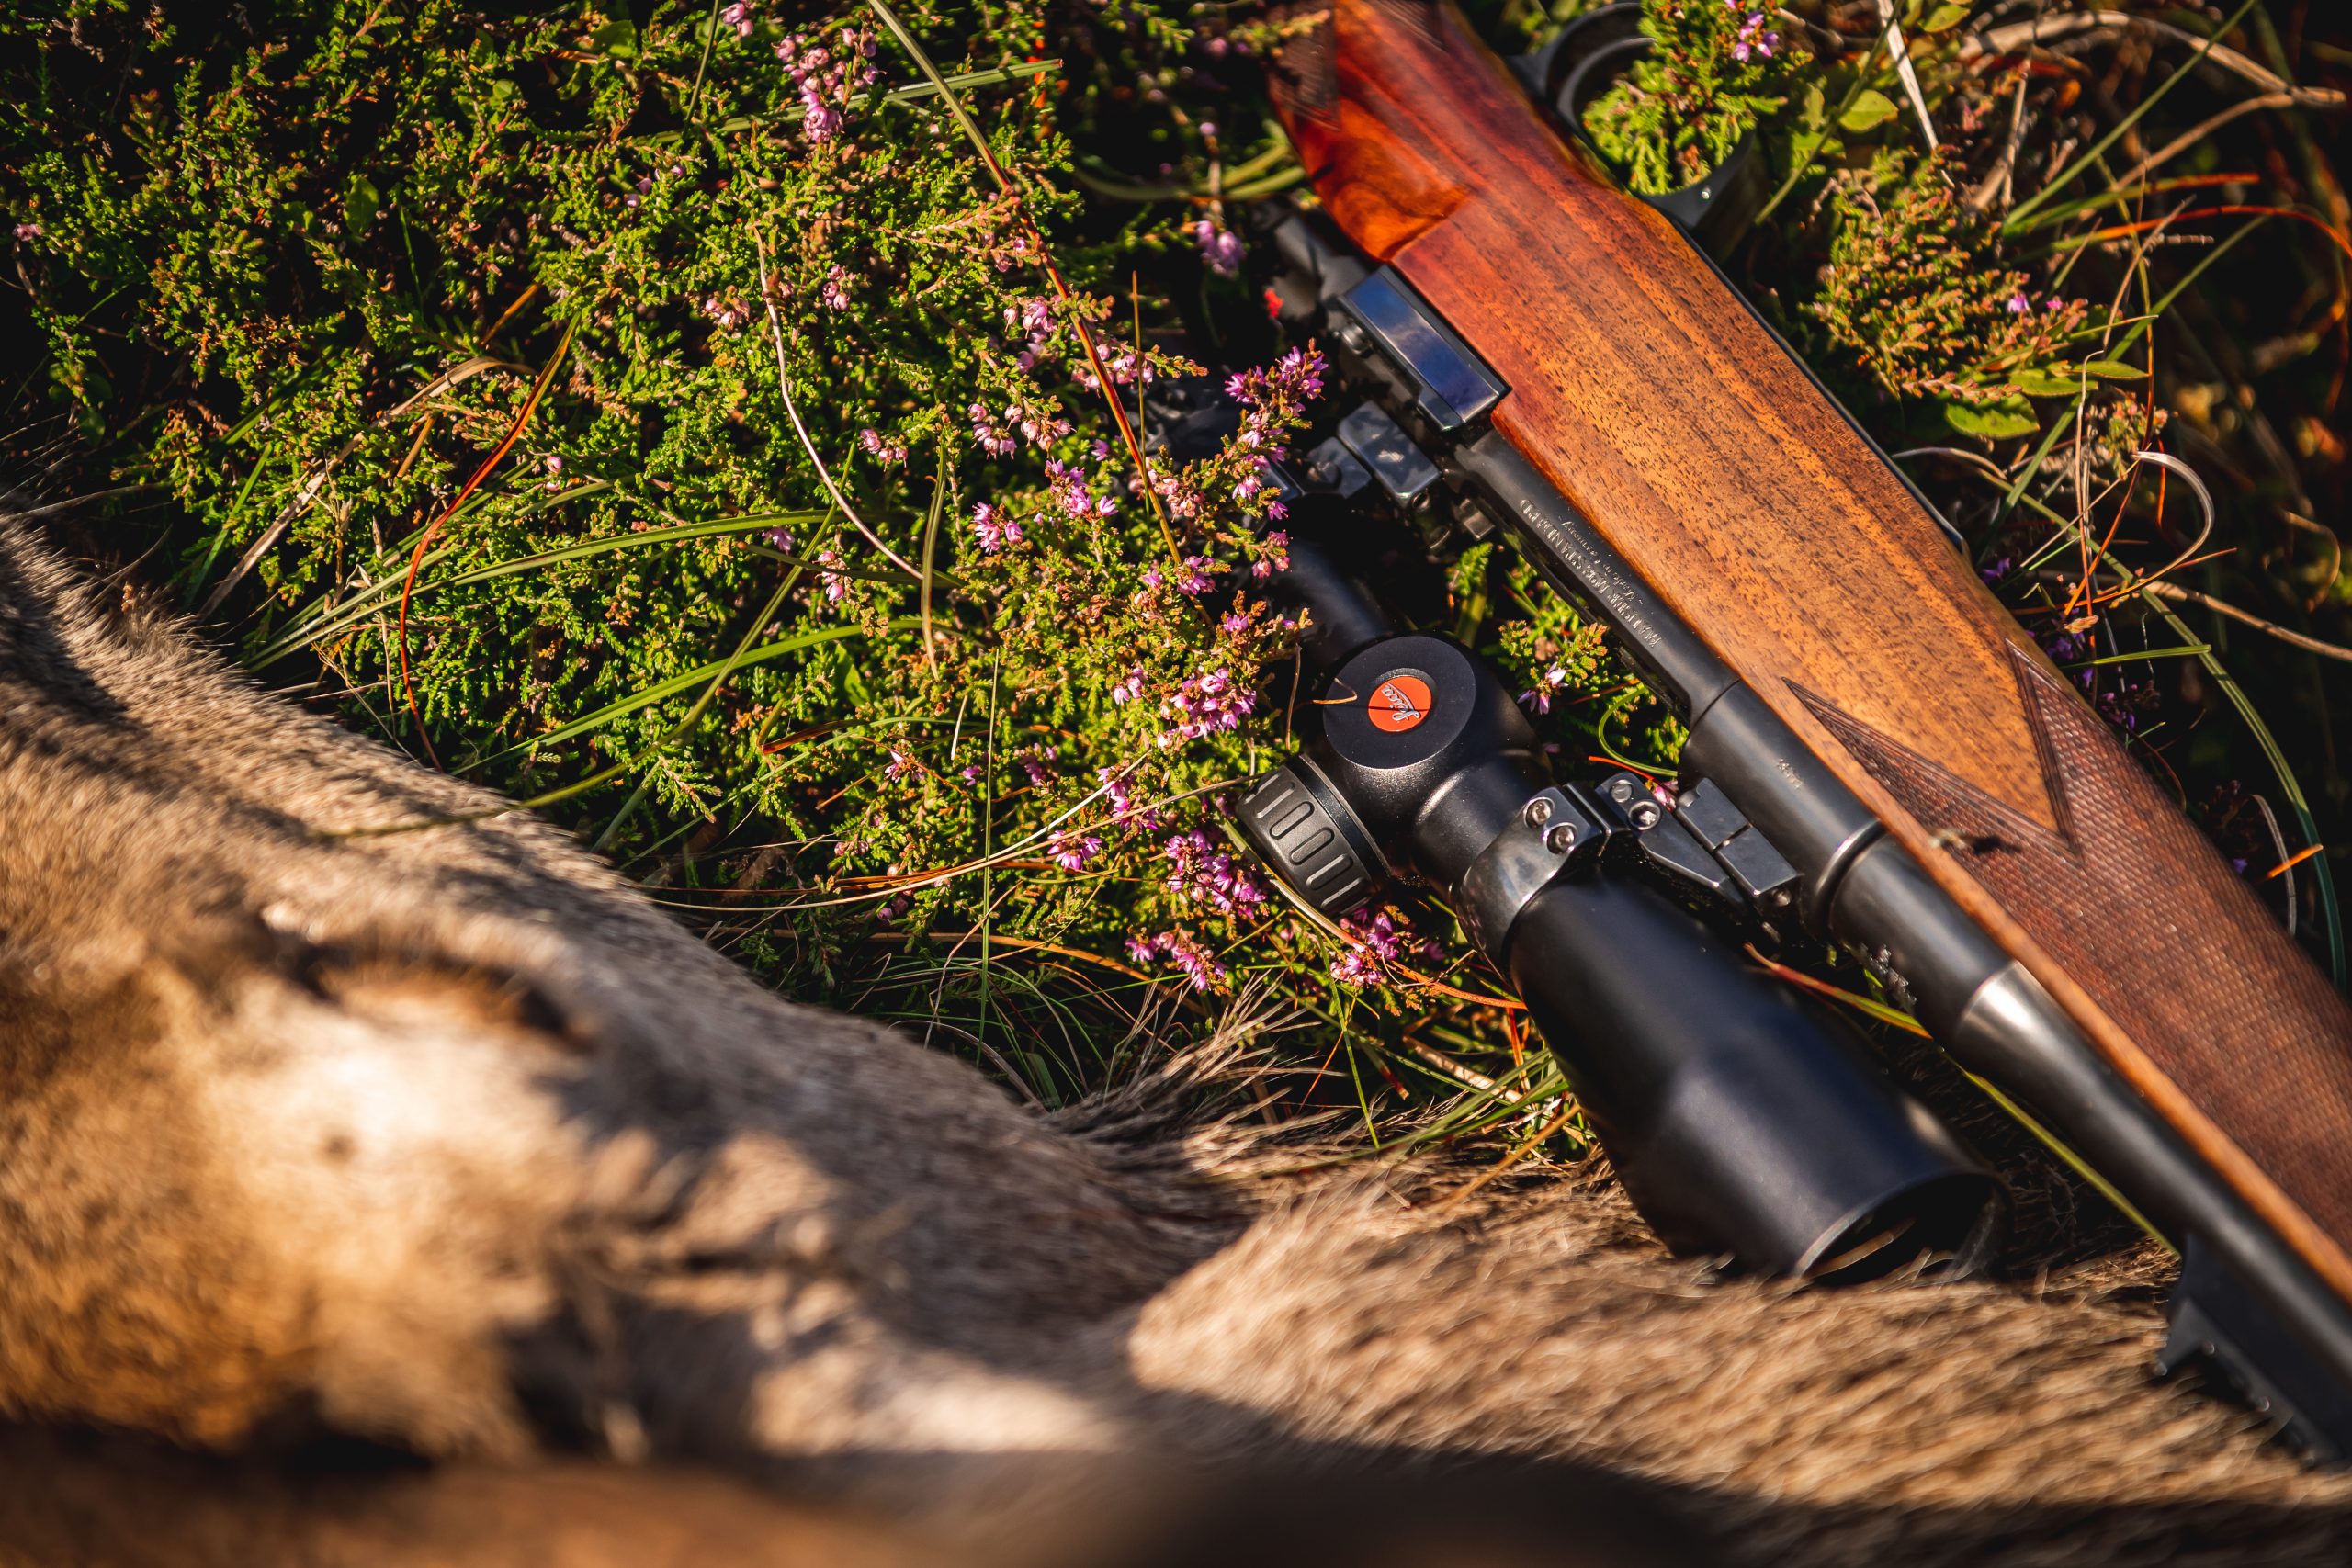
[(2124, 195), (930, 539), (2183, 651), (2164, 301), (2024, 209), (910, 93), (686, 682), (709, 694), (987, 839), (513, 432), (2323, 880), (310, 491), (220, 534), (1802, 154), (701, 63), (783, 389), (303, 634)]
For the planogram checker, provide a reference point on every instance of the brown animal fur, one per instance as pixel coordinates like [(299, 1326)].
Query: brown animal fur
[(445, 1139)]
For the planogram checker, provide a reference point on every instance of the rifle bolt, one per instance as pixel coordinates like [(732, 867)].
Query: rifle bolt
[(1539, 811), (1560, 839)]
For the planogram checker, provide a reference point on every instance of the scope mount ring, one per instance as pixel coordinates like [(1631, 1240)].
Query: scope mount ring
[(1559, 832)]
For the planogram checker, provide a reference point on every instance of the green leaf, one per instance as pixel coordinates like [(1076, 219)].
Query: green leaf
[(2039, 383), (615, 40), (1994, 422), (361, 202), (1944, 18), (2112, 370), (1870, 108), (1813, 116)]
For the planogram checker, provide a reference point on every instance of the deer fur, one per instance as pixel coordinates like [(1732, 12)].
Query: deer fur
[(318, 1118)]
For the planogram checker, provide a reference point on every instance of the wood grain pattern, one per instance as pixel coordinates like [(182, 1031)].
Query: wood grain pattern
[(1646, 392)]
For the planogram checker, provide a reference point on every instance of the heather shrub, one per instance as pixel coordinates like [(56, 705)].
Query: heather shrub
[(718, 425), (1713, 74)]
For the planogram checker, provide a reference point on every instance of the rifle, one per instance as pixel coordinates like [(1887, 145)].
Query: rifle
[(1877, 752)]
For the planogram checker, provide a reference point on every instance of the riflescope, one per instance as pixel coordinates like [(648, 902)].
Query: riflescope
[(1743, 1117)]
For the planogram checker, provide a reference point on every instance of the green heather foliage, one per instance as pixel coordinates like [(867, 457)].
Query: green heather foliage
[(1714, 72), (669, 414)]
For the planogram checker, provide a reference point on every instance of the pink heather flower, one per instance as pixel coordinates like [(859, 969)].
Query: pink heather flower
[(1300, 372), (1376, 940), (1179, 948), (993, 440), (2018, 304), (1234, 624), (1042, 427), (726, 310), (1128, 688), (28, 232), (970, 772), (1032, 760), (1119, 788), (1220, 248), (1295, 378), (1181, 497), (1069, 491), (825, 79), (780, 538), (902, 765), (1123, 365), (739, 17), (881, 449), (1756, 40), (1208, 704), (1072, 852), (835, 295), (1277, 556), (835, 583), (994, 528), (1201, 873), (1033, 316), (1540, 699), (1196, 580)]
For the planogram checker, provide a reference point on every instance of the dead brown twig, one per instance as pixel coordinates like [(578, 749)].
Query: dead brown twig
[(2016, 35)]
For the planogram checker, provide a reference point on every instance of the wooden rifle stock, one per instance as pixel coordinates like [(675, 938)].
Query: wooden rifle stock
[(1657, 403)]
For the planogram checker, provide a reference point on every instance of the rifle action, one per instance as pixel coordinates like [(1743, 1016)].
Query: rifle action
[(1877, 752)]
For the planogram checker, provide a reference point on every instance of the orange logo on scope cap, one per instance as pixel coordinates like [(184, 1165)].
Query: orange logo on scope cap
[(1398, 702)]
